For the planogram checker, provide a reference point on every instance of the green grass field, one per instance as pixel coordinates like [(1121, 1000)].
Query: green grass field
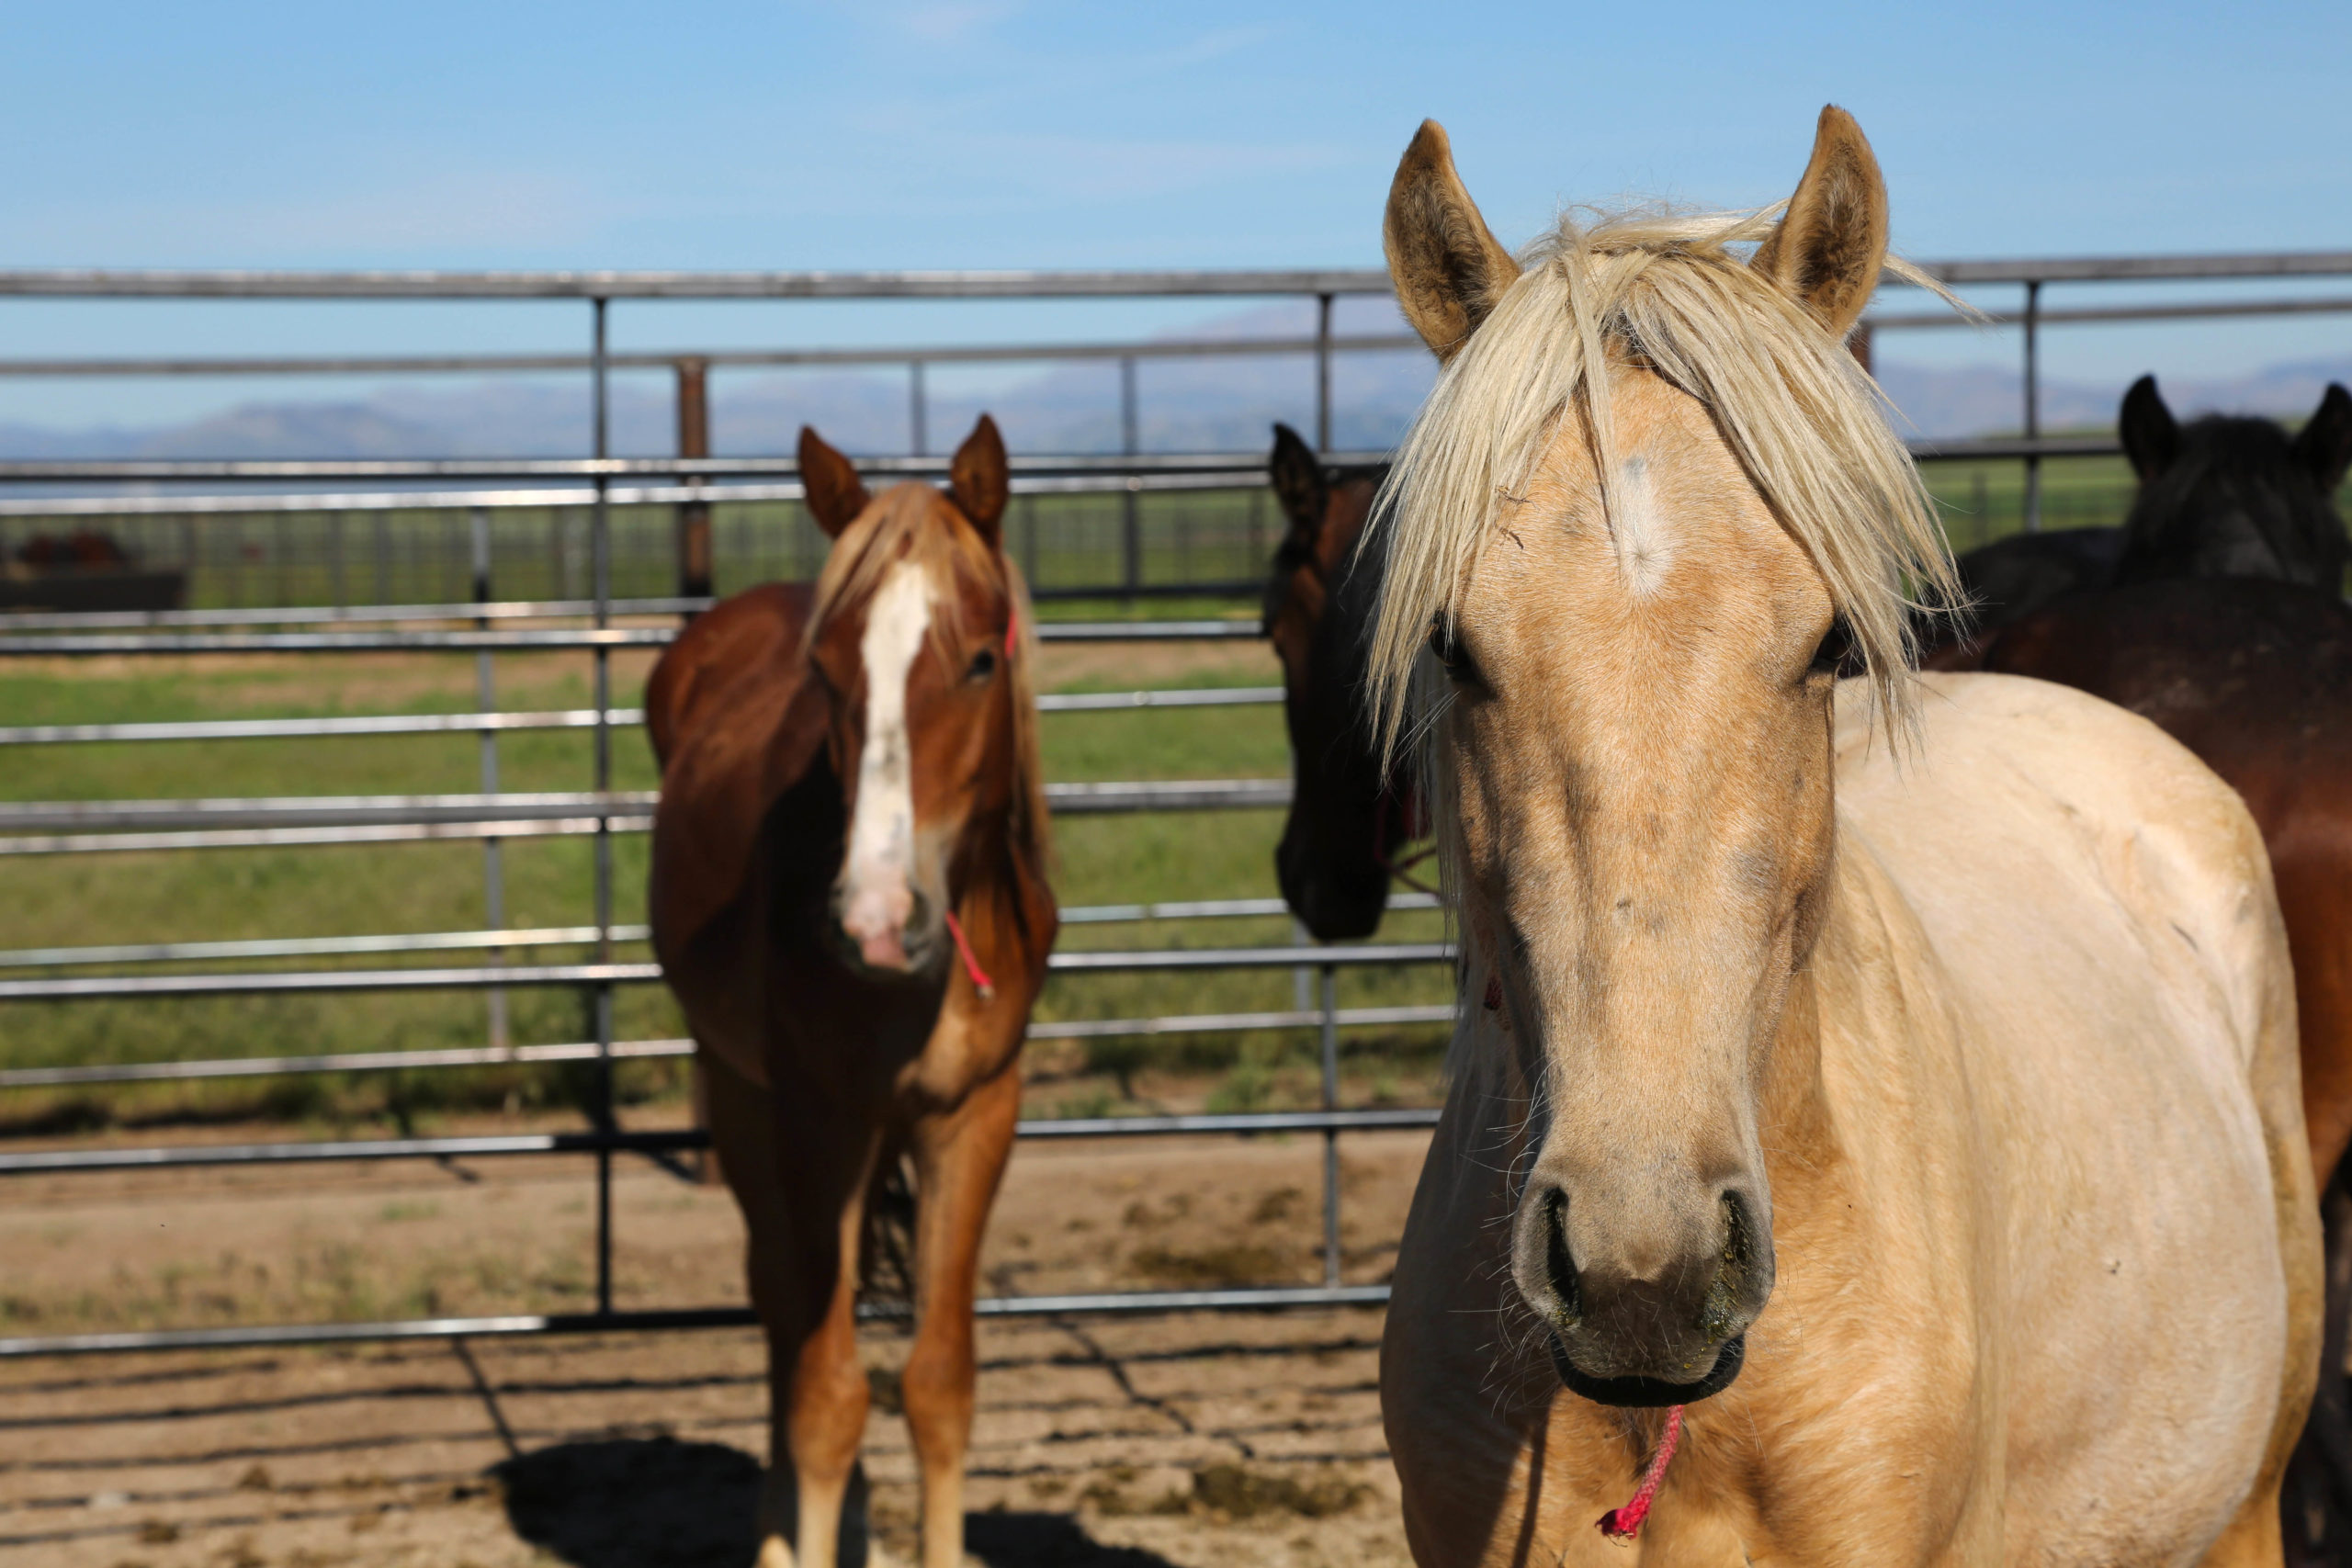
[(230, 894)]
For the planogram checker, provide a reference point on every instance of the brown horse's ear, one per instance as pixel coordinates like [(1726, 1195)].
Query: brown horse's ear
[(980, 479), (1448, 268), (2324, 444), (1831, 242), (1299, 485), (834, 492), (2151, 436)]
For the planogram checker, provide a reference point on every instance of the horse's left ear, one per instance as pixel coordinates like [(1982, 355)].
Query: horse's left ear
[(2324, 444), (1832, 241), (980, 479)]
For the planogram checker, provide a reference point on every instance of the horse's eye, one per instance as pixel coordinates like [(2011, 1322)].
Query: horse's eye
[(1837, 649), (1459, 666), (983, 666)]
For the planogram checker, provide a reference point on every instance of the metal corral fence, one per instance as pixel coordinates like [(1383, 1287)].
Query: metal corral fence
[(688, 488)]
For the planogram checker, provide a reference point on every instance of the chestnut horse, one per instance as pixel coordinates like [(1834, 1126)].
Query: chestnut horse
[(849, 901), (1350, 816), (1923, 1136)]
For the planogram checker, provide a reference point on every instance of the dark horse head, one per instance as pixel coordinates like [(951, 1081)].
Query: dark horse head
[(2223, 497), (2217, 497), (1347, 816)]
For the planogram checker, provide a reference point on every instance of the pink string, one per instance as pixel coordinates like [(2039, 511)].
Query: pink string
[(1623, 1523), (980, 981)]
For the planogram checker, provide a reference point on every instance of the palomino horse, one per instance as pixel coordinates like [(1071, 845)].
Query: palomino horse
[(2219, 497), (2255, 678), (1350, 816), (1978, 1067), (850, 900)]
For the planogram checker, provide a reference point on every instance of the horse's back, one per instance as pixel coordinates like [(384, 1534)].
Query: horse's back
[(2100, 910)]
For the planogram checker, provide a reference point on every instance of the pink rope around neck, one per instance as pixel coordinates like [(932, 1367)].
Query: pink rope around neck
[(980, 981), (1625, 1523)]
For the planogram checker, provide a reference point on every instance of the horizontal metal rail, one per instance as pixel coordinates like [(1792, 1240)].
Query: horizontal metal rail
[(45, 828), (98, 283), (252, 503), (48, 1162), (557, 936), (710, 358), (126, 987), (238, 366), (1114, 474), (110, 645), (314, 614), (186, 1157), (1262, 1298), (274, 283), (311, 946), (586, 1051), (566, 718), (248, 470)]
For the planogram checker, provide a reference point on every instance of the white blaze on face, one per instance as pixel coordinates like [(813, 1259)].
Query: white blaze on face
[(877, 897), (1644, 539)]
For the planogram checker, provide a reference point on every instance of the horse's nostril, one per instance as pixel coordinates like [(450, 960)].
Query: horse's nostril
[(1724, 1313), (1559, 1268)]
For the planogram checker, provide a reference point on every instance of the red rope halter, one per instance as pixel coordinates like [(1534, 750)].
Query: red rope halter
[(1625, 1523), (979, 976)]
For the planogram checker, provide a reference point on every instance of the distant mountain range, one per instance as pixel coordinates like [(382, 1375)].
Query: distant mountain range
[(1185, 405)]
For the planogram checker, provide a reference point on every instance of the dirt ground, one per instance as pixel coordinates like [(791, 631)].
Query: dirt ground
[(1237, 1439)]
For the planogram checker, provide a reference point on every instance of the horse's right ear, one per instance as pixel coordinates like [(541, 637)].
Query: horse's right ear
[(1448, 268), (2324, 444), (1829, 247), (1297, 475), (834, 492), (2151, 436)]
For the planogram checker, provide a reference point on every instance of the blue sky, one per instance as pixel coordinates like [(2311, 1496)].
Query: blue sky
[(997, 133)]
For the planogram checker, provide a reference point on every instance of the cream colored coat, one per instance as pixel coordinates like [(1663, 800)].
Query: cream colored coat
[(2048, 1256)]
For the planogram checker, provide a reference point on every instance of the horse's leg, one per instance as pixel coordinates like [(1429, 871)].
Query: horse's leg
[(801, 1259), (960, 1158)]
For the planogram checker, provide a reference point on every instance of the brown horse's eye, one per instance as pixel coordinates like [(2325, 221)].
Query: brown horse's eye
[(983, 666)]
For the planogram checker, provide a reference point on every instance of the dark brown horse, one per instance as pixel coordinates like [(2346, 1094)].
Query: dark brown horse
[(2219, 496), (1350, 818), (849, 901)]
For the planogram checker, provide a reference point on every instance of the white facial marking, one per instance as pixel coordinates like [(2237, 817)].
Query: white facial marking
[(879, 899), (1644, 536)]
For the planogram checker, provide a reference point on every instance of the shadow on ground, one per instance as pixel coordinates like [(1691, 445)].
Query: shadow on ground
[(660, 1503)]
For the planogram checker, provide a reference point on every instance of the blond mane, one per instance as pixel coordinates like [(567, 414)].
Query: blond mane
[(912, 522), (1666, 292)]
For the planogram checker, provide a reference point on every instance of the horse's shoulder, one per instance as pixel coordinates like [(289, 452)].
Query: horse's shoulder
[(737, 722), (755, 633)]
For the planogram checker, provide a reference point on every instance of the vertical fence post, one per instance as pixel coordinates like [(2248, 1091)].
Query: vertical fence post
[(1331, 1135), (2033, 405), (918, 413), (335, 560), (601, 581), (1322, 373), (493, 872), (1861, 343), (694, 517), (1131, 517)]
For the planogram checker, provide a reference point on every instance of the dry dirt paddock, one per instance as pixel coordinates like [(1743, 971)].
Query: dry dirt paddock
[(1233, 1440)]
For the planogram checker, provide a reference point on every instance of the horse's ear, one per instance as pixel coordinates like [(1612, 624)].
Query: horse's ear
[(2151, 436), (1448, 268), (834, 492), (1297, 475), (2324, 444), (980, 479), (1831, 242)]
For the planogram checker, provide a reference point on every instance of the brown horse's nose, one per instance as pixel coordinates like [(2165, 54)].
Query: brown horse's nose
[(1648, 1310)]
